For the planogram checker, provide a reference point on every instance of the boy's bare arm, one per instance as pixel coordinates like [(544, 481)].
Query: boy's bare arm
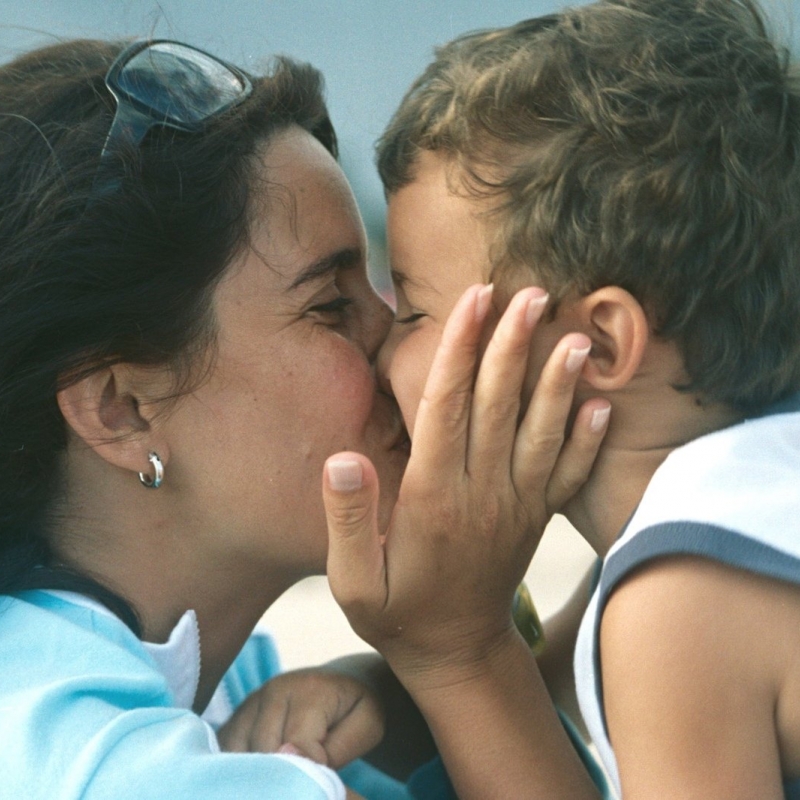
[(408, 743), (699, 665)]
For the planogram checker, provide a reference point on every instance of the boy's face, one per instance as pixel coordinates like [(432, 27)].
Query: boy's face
[(438, 247)]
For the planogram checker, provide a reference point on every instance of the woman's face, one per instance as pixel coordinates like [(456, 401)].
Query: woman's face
[(299, 328)]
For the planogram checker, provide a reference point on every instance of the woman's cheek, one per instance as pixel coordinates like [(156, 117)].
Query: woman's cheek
[(350, 385)]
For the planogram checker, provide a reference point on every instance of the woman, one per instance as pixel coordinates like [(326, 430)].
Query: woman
[(188, 332)]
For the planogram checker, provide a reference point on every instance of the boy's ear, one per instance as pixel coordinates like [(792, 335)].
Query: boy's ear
[(618, 327), (109, 414)]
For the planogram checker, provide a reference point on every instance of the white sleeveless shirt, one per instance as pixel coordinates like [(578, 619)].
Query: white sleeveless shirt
[(732, 496)]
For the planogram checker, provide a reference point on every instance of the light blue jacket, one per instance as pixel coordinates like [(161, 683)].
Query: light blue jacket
[(86, 711)]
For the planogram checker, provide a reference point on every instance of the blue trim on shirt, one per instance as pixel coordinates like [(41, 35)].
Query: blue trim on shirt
[(699, 539)]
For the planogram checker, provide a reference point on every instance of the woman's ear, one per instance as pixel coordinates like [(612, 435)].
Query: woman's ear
[(108, 412), (619, 330)]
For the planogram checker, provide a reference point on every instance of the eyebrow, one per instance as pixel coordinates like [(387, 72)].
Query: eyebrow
[(347, 258)]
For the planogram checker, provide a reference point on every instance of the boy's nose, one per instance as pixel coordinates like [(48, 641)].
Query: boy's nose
[(385, 355)]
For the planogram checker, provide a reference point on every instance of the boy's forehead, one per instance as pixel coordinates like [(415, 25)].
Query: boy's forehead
[(434, 232)]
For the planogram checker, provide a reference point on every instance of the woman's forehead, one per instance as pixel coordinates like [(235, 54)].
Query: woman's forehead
[(306, 223)]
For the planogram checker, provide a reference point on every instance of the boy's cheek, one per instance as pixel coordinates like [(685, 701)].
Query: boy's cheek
[(409, 371), (408, 398), (409, 395)]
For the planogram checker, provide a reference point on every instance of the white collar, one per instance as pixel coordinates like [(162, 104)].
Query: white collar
[(178, 659)]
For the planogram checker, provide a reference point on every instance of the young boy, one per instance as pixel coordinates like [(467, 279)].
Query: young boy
[(640, 160)]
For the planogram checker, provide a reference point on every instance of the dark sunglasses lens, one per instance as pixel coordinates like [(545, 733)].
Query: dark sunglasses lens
[(179, 83)]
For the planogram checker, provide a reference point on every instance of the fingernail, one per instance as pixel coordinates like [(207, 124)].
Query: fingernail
[(289, 749), (535, 307), (599, 419), (482, 301), (576, 358), (345, 476)]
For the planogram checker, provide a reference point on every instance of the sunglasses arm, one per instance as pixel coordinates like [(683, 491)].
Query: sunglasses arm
[(129, 126)]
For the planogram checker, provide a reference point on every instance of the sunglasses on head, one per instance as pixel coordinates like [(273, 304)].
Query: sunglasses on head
[(170, 84)]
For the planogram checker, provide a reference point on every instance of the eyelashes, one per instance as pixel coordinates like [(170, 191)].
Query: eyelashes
[(338, 306), (409, 319)]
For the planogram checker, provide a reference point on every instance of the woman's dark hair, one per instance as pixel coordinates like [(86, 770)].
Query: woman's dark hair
[(87, 282)]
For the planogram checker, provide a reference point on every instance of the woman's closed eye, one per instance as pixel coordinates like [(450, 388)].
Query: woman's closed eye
[(334, 310)]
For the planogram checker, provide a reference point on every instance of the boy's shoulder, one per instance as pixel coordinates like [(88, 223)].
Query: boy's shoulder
[(696, 613), (700, 666), (730, 496)]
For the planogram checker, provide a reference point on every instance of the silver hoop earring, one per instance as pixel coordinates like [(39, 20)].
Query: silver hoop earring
[(158, 469)]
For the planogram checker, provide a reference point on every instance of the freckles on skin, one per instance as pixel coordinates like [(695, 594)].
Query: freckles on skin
[(297, 415), (350, 389)]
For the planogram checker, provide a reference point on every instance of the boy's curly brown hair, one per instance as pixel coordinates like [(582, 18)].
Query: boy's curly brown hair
[(645, 144)]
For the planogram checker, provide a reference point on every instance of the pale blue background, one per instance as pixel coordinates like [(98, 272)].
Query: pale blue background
[(368, 51)]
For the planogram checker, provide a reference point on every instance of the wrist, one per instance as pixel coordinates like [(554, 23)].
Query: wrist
[(463, 666), (464, 649)]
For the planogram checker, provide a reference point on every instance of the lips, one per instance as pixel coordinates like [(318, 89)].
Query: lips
[(397, 438), (403, 442)]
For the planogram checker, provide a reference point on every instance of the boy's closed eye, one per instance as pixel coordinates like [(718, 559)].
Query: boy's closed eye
[(406, 313), (407, 293), (410, 318)]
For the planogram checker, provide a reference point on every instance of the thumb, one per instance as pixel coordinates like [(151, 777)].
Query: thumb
[(350, 491)]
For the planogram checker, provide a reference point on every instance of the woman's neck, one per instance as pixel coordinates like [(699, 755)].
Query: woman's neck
[(154, 557)]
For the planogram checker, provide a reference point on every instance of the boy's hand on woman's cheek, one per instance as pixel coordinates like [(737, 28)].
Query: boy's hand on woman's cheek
[(434, 592)]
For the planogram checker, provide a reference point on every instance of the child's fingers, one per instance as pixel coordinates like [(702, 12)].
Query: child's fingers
[(541, 433), (234, 735), (577, 456), (305, 732), (306, 747), (266, 730), (442, 423), (355, 734), (355, 568), (257, 725), (496, 402)]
